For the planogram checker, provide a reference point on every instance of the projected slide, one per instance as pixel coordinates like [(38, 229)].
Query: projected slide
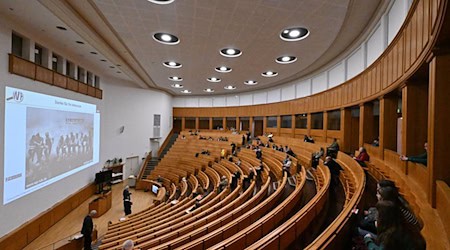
[(47, 138)]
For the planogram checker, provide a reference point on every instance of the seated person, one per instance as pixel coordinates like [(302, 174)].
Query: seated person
[(223, 183), (362, 157), (195, 206), (159, 179), (422, 158), (287, 165), (223, 152), (289, 151), (308, 139), (376, 142), (183, 137), (247, 180), (393, 232), (315, 157), (335, 170), (333, 149), (258, 153)]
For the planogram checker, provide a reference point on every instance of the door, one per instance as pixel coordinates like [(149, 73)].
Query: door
[(154, 146), (131, 166)]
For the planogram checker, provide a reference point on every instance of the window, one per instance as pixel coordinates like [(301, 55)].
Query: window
[(301, 121), (38, 56), (286, 121), (217, 123), (203, 123), (90, 78), (245, 123), (97, 82), (56, 63), (81, 75), (231, 122), (271, 121), (189, 122), (17, 45), (334, 120), (317, 121)]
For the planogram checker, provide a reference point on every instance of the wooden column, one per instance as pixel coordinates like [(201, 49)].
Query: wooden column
[(346, 125), (224, 123), (278, 125), (388, 124), (238, 127), (183, 123), (197, 123), (414, 118), (210, 123), (365, 123), (308, 124), (438, 123)]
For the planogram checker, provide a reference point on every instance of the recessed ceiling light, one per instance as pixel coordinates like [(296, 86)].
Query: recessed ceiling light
[(118, 72), (172, 64), (103, 60), (93, 52), (208, 90), (286, 59), (112, 67), (223, 69), (177, 86), (229, 87), (269, 74), (186, 91), (250, 82), (230, 52), (79, 42), (161, 1), (166, 38), (213, 79), (61, 28), (175, 78), (294, 34), (118, 65)]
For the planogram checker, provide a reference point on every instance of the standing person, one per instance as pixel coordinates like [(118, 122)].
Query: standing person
[(333, 149), (258, 153), (243, 140), (86, 230), (287, 165), (127, 201), (335, 170)]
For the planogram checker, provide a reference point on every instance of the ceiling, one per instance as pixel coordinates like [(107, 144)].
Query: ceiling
[(121, 31)]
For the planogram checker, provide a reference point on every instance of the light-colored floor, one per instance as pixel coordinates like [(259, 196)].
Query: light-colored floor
[(71, 224)]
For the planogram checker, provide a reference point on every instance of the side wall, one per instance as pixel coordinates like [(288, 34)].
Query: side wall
[(123, 105)]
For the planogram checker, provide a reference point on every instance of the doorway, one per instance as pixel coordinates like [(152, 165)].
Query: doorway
[(154, 146), (131, 166)]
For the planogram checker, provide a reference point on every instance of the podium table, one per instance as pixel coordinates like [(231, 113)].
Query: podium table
[(101, 204)]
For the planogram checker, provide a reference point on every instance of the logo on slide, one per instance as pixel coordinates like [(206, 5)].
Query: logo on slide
[(17, 96)]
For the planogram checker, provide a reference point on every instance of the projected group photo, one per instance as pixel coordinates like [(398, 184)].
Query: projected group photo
[(56, 142)]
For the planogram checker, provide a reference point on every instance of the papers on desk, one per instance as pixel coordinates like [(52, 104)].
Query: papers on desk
[(122, 219), (77, 236)]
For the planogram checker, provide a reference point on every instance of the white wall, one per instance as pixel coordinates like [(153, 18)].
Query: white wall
[(123, 105), (330, 75)]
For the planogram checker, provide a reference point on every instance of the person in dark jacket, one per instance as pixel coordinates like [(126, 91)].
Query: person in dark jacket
[(87, 229), (422, 158)]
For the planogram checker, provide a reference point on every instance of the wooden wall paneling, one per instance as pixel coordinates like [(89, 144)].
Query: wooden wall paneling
[(82, 88), (388, 124), (22, 67), (384, 73), (210, 123), (99, 93), (365, 123), (392, 161), (420, 24), (443, 203), (59, 80), (395, 61), (414, 38), (44, 75), (408, 46), (419, 174), (308, 124), (346, 120), (426, 22), (197, 123), (183, 123), (91, 91), (72, 84), (401, 58), (438, 122), (293, 126), (278, 131), (325, 125), (224, 122), (264, 124)]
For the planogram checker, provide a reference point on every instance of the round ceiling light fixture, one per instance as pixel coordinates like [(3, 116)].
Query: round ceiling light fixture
[(223, 69), (186, 91), (208, 90), (250, 82), (294, 34), (175, 78), (177, 86), (172, 64), (269, 73), (286, 59), (213, 79), (61, 27), (230, 52), (166, 38), (161, 1), (230, 87)]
